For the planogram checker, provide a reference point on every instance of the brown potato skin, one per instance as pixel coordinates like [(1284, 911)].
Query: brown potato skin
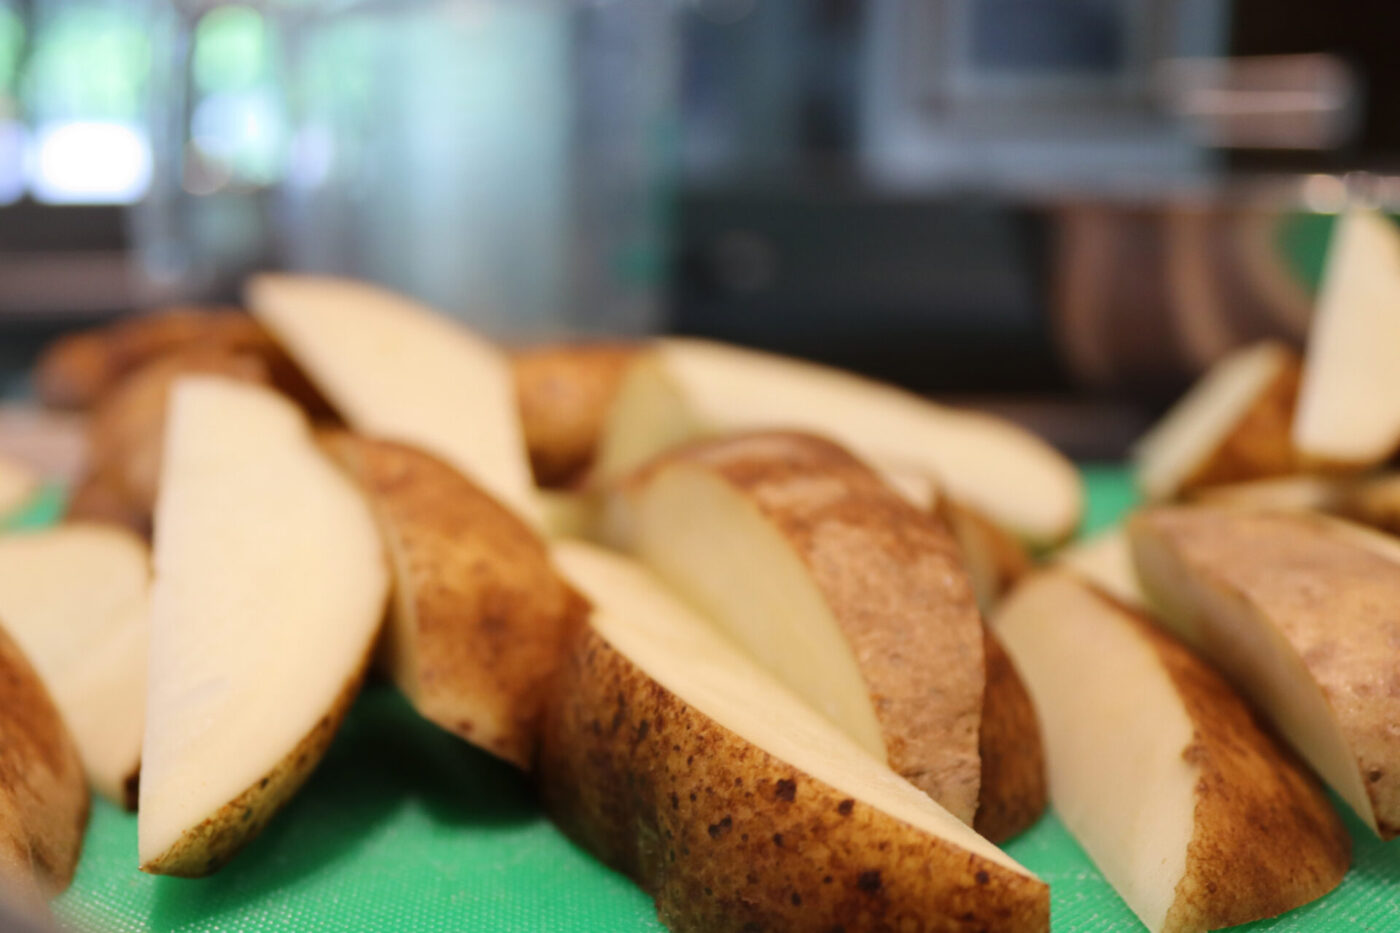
[(1266, 837), (726, 837), (479, 615), (892, 576), (126, 430), (101, 497), (563, 392), (204, 849), (1374, 501), (1331, 598), (43, 792), (1261, 443), (1014, 792)]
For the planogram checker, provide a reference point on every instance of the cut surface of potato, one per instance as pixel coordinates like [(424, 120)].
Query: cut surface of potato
[(1349, 402), (1305, 493), (686, 388), (1297, 610), (852, 597), (398, 370), (1106, 561), (1235, 424), (269, 588), (43, 797), (479, 615), (676, 759), (994, 559), (76, 599), (1193, 813), (564, 392)]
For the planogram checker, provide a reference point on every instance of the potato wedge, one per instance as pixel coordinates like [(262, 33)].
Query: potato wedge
[(76, 598), (398, 370), (1106, 562), (43, 798), (994, 559), (1013, 792), (1297, 610), (270, 584), (1234, 425), (1349, 401), (478, 618), (1371, 500), (684, 388), (126, 431), (1196, 816), (677, 760), (564, 392), (853, 598), (100, 498), (1301, 493)]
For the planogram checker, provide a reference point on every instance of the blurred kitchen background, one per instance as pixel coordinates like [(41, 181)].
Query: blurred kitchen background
[(1062, 209)]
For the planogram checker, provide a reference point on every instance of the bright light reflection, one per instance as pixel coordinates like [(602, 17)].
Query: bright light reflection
[(88, 162)]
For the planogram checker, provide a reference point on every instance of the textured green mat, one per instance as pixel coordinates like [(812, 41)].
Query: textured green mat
[(406, 828)]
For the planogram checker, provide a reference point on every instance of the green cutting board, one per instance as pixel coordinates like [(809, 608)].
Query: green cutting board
[(406, 828)]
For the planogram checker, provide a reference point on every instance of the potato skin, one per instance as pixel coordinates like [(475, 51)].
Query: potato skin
[(1374, 501), (1331, 598), (43, 792), (100, 497), (204, 849), (1261, 443), (726, 837), (479, 615), (563, 392), (1014, 791), (893, 577), (1266, 837)]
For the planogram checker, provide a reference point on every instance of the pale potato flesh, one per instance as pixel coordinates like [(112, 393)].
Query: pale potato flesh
[(1296, 610), (698, 387), (397, 370), (1195, 814), (1106, 561), (269, 589), (683, 652), (1303, 493), (1200, 425), (1349, 402), (1114, 730), (18, 484), (76, 599)]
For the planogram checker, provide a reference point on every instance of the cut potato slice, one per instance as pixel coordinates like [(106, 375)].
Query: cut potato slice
[(676, 759), (564, 392), (1285, 493), (479, 615), (1233, 425), (269, 587), (688, 388), (76, 598), (1372, 500), (43, 798), (397, 370), (1349, 402), (571, 513), (1106, 561), (1193, 813), (1298, 611), (994, 559), (1013, 790), (853, 598), (18, 485)]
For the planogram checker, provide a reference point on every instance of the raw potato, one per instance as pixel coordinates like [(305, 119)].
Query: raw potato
[(1303, 493), (684, 388), (100, 497), (398, 370), (677, 760), (1195, 815), (571, 513), (994, 559), (1349, 402), (18, 485), (76, 599), (1372, 500), (1013, 787), (564, 392), (270, 584), (1106, 562), (853, 598), (479, 616), (1298, 611), (126, 430), (43, 798), (1233, 425)]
